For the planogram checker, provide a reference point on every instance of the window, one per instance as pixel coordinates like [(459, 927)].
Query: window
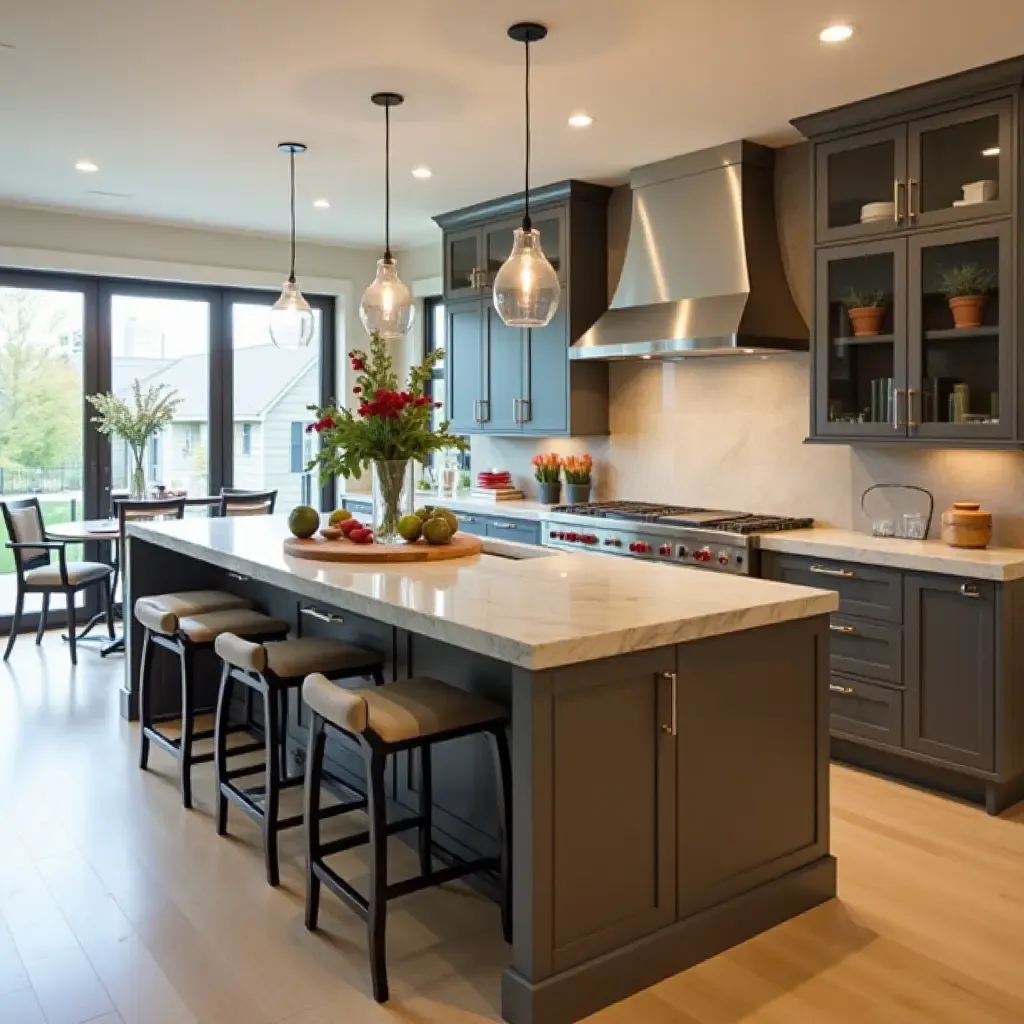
[(434, 338), (247, 439), (298, 446)]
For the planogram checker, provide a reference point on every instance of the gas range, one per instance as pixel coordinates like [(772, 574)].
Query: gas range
[(698, 537)]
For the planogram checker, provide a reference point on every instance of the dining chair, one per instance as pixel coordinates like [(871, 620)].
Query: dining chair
[(235, 502), (37, 574)]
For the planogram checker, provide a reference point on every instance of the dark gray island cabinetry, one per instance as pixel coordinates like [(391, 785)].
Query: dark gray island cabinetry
[(670, 756)]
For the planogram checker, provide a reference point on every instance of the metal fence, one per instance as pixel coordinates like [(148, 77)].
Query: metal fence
[(41, 480)]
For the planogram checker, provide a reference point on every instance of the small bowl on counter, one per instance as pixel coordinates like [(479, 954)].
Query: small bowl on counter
[(965, 524)]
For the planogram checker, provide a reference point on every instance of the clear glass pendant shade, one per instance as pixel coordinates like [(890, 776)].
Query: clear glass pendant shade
[(387, 305), (526, 288), (291, 319)]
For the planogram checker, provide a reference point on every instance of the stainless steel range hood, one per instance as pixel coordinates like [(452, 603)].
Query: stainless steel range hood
[(702, 274)]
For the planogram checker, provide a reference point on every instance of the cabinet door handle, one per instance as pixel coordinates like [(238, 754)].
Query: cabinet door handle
[(844, 574), (524, 416), (238, 576), (515, 411), (485, 410), (897, 200), (912, 396), (911, 193), (476, 410), (970, 590), (898, 422), (673, 728), (845, 630), (315, 613), (504, 526), (836, 688)]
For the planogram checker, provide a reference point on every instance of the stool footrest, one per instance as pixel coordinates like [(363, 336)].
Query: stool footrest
[(449, 874), (241, 773), (351, 897), (246, 748), (362, 838)]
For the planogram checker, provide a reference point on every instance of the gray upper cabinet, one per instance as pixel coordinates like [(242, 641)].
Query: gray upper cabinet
[(519, 381), (908, 187), (950, 671)]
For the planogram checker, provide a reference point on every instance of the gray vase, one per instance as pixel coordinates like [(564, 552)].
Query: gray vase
[(577, 494), (549, 493)]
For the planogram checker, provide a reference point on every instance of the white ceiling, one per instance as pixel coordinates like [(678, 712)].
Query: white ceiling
[(181, 102)]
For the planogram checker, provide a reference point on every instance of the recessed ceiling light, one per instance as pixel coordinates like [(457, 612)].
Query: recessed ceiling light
[(991, 151), (581, 120), (322, 204), (86, 167), (835, 34), (421, 172)]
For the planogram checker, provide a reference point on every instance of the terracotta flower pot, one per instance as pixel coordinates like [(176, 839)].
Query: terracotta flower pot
[(968, 310), (866, 321)]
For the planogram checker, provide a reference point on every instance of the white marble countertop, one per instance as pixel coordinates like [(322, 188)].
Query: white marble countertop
[(922, 555), (539, 612), (532, 510)]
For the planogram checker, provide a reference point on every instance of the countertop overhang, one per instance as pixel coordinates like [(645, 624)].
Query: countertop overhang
[(538, 612)]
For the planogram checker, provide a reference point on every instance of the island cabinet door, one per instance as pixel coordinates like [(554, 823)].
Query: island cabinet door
[(612, 775), (949, 706), (753, 759)]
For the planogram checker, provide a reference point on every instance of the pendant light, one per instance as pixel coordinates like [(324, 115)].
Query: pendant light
[(291, 319), (526, 289), (387, 305)]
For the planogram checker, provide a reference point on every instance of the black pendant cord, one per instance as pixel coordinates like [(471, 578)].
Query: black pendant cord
[(527, 223), (387, 185), (291, 158)]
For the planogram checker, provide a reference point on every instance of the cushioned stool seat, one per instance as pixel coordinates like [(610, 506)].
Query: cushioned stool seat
[(291, 659), (410, 709), (162, 612), (205, 628)]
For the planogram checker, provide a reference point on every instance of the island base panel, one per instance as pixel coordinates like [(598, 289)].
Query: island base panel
[(577, 993)]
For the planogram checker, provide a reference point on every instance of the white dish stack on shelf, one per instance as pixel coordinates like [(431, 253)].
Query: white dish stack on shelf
[(978, 192), (870, 213)]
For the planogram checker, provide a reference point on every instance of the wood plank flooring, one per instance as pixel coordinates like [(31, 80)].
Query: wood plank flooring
[(119, 907)]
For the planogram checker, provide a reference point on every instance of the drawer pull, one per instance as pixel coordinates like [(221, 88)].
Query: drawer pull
[(320, 616), (845, 630), (970, 590), (836, 688), (504, 526), (468, 519), (843, 574), (238, 576)]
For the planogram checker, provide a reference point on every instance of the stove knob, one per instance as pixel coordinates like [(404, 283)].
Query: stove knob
[(588, 538), (682, 551), (608, 541), (642, 547), (617, 541), (572, 536), (704, 555), (633, 547), (723, 557), (665, 549), (556, 534)]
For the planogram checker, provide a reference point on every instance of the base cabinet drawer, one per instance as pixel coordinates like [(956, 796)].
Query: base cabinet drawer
[(514, 529), (866, 710), (873, 650), (865, 591), (472, 523)]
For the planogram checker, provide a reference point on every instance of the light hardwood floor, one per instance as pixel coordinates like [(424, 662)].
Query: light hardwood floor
[(119, 907)]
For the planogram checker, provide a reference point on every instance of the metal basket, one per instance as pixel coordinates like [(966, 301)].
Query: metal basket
[(904, 525)]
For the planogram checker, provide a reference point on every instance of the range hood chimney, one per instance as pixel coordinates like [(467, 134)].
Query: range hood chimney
[(702, 274)]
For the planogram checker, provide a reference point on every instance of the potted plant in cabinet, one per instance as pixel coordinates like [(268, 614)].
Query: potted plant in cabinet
[(866, 310), (966, 287)]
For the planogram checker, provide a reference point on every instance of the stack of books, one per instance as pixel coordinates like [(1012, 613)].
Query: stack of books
[(495, 485)]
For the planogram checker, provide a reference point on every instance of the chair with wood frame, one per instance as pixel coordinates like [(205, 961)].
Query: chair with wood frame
[(235, 502), (37, 574)]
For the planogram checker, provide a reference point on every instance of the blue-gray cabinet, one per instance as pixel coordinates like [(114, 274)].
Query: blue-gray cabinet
[(512, 381)]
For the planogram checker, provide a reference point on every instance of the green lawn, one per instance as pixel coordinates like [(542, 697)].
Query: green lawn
[(53, 512)]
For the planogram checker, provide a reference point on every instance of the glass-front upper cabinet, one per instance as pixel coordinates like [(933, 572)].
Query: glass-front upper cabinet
[(960, 165), (498, 241), (860, 184), (961, 333), (860, 338), (463, 263)]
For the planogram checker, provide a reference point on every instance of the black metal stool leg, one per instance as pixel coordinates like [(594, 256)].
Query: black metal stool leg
[(503, 762), (220, 751), (426, 805), (272, 791), (145, 714), (188, 714), (378, 902), (314, 778)]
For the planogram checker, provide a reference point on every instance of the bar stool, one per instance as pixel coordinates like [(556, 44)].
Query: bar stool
[(412, 714), (272, 670), (186, 623)]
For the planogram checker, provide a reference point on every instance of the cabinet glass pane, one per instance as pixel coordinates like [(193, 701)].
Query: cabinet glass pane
[(861, 345), (857, 178), (960, 164), (551, 240), (462, 261), (960, 365), (499, 247)]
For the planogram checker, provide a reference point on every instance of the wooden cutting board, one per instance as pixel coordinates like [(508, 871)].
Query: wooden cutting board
[(319, 549)]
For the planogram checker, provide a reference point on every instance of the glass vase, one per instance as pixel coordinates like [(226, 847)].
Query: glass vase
[(137, 485), (392, 498)]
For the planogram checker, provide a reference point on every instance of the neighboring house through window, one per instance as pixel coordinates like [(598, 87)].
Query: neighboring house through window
[(434, 338), (247, 439)]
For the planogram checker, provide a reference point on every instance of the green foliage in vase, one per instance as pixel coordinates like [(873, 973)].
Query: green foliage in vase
[(389, 425), (137, 419), (966, 279), (864, 298)]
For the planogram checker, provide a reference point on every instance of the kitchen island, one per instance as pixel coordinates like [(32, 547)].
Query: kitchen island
[(669, 736)]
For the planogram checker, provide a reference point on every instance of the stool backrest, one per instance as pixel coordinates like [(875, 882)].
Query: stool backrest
[(247, 503), (24, 522), (129, 511)]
